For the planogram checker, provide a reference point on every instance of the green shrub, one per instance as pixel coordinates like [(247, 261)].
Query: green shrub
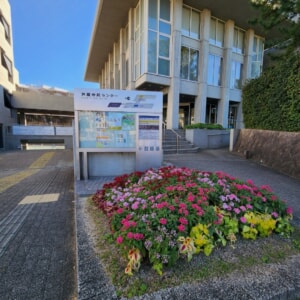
[(204, 126), (272, 101)]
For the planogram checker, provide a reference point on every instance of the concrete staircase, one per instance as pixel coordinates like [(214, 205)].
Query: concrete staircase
[(170, 139)]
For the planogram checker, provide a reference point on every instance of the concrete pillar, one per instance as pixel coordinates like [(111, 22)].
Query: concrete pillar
[(131, 81), (116, 60), (249, 37), (246, 72), (223, 105), (175, 59), (122, 55), (200, 101)]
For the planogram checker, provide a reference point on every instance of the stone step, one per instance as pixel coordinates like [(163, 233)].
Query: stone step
[(171, 140)]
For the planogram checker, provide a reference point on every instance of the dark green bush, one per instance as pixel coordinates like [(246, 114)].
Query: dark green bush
[(272, 101), (204, 126)]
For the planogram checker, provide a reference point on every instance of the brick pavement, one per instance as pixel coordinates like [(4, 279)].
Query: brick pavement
[(37, 231)]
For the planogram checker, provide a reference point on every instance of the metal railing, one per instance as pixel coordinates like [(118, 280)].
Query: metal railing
[(178, 136)]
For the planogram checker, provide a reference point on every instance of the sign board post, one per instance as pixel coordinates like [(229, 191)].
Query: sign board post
[(116, 132)]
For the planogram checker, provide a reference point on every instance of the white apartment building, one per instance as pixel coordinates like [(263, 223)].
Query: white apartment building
[(9, 76), (197, 52)]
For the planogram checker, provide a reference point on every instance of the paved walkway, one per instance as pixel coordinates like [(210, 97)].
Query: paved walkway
[(37, 232), (42, 231)]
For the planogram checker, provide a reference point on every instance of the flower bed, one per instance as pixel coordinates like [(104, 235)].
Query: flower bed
[(160, 215)]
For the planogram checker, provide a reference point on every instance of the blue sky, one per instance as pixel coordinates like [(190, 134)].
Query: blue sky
[(51, 39)]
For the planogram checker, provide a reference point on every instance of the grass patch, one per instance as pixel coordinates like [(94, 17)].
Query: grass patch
[(224, 260)]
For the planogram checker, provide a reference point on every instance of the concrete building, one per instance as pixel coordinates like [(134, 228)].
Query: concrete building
[(43, 119), (198, 53), (9, 76), (31, 117)]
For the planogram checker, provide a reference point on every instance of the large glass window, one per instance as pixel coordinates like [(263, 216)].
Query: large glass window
[(7, 64), (257, 57), (190, 22), (216, 36), (236, 75), (214, 70), (189, 64), (139, 44), (6, 28), (137, 41), (159, 33), (238, 41)]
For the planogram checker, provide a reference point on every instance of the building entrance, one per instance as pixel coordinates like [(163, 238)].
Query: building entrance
[(211, 113), (1, 136)]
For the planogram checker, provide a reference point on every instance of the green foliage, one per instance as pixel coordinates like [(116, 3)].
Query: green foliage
[(204, 126), (272, 101), (159, 220), (279, 16)]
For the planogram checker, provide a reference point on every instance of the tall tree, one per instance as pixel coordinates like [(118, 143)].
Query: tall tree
[(281, 15)]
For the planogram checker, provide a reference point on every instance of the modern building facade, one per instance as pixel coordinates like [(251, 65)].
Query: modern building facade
[(198, 53)]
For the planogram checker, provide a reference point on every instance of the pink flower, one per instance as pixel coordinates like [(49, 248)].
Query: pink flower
[(243, 220), (183, 221), (249, 206), (138, 236), (242, 208), (186, 212), (120, 210), (135, 205), (158, 196), (119, 239), (182, 205), (171, 207), (190, 197), (161, 205), (181, 227), (130, 235), (289, 211), (236, 210), (274, 214), (163, 221)]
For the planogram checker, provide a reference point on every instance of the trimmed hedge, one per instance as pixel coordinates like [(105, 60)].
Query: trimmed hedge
[(204, 126), (272, 101)]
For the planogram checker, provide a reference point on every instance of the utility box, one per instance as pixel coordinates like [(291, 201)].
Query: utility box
[(116, 132)]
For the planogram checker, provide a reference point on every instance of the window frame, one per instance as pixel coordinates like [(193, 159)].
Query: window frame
[(189, 32)]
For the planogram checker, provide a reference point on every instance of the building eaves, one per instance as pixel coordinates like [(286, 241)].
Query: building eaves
[(112, 15), (32, 99)]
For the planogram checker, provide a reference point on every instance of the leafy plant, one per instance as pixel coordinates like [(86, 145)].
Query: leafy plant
[(272, 101), (161, 215)]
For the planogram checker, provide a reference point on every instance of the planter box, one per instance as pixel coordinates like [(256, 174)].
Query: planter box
[(208, 138)]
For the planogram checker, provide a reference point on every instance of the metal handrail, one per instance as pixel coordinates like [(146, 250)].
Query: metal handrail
[(178, 136)]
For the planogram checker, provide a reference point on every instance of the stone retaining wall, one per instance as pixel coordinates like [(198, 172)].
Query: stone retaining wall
[(208, 138), (275, 149)]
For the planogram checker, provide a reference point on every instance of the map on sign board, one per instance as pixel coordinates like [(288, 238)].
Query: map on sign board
[(106, 129)]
